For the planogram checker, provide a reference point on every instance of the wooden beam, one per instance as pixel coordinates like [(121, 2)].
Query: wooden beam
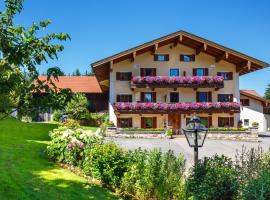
[(201, 48), (219, 57), (243, 65), (133, 56), (155, 47)]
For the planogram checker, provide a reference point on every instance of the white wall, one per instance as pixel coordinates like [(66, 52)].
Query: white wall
[(253, 112)]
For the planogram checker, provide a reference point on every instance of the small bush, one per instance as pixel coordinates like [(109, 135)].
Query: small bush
[(255, 124), (213, 178), (143, 129), (77, 107), (154, 175), (57, 115), (106, 162)]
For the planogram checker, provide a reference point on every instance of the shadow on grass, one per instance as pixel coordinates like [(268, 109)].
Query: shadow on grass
[(26, 173)]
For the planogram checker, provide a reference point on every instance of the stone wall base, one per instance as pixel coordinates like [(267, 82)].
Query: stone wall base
[(235, 136)]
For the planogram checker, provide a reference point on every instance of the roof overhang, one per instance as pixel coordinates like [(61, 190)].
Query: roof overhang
[(261, 99), (244, 63)]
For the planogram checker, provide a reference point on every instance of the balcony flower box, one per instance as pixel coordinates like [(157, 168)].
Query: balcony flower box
[(210, 107), (178, 81)]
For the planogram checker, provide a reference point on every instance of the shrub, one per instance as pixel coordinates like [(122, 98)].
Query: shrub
[(154, 175), (227, 129), (106, 162), (143, 129), (67, 144), (255, 124), (57, 115), (213, 178), (77, 107)]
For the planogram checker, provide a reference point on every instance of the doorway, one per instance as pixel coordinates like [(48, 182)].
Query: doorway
[(174, 120)]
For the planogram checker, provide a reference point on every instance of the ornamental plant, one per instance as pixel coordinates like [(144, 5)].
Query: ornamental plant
[(181, 81), (193, 106)]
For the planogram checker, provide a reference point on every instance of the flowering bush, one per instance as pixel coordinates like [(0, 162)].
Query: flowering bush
[(68, 144), (180, 81), (190, 106)]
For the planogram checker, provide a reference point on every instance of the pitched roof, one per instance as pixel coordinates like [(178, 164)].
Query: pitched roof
[(252, 94), (244, 63), (81, 84)]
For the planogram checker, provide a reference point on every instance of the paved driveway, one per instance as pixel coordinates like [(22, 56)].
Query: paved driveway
[(179, 145)]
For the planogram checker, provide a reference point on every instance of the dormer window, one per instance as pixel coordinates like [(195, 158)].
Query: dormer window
[(187, 58), (161, 57)]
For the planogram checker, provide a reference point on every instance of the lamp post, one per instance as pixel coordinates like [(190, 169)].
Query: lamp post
[(195, 134)]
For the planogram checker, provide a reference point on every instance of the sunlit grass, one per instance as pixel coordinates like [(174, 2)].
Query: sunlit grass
[(26, 173)]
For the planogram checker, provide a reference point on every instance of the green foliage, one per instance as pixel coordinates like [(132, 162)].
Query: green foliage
[(169, 132), (23, 50), (213, 178), (68, 143), (154, 175), (267, 92), (106, 162), (227, 129), (94, 119), (57, 115), (77, 107), (255, 124)]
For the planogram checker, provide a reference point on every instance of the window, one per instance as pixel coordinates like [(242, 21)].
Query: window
[(124, 122), (174, 97), (148, 97), (149, 122), (246, 122), (225, 97), (124, 98), (204, 96), (187, 58), (148, 71), (226, 75), (161, 57), (123, 76), (174, 72), (244, 102), (225, 122), (200, 71)]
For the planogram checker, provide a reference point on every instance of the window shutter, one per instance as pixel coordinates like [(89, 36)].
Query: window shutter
[(118, 98), (197, 97), (210, 96), (209, 121), (130, 98), (181, 57), (155, 57), (142, 96), (192, 57), (231, 122), (118, 123), (154, 96), (205, 71), (142, 72), (184, 73), (154, 71), (194, 71), (231, 97), (167, 57), (230, 76), (142, 122), (118, 75), (154, 122), (129, 75)]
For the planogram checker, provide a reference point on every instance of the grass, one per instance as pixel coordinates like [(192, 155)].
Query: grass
[(26, 173)]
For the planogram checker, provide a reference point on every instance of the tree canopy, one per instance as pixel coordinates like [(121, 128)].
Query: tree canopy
[(267, 92), (23, 50)]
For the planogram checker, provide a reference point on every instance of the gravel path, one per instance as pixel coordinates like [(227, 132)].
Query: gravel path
[(179, 145)]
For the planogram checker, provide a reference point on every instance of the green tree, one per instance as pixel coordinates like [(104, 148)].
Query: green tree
[(23, 49), (267, 92), (77, 107), (76, 73)]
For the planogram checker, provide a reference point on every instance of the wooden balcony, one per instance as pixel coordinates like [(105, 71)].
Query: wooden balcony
[(216, 82), (183, 107)]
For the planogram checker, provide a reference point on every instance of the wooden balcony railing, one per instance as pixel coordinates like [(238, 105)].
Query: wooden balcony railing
[(177, 82), (185, 108)]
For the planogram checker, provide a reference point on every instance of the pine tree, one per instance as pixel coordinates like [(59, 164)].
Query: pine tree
[(267, 92)]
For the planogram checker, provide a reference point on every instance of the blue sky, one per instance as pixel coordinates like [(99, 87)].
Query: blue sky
[(100, 28)]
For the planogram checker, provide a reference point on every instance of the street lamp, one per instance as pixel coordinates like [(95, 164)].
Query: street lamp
[(195, 134)]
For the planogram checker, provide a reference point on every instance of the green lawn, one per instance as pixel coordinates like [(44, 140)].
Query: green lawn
[(26, 173)]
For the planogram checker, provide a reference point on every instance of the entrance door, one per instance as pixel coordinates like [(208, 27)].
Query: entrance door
[(174, 120)]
